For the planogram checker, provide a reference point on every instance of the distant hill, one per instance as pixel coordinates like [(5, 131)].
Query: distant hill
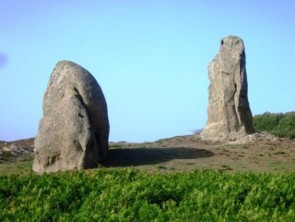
[(23, 142)]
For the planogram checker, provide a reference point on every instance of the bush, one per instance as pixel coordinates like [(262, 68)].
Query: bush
[(278, 124), (197, 131), (129, 195)]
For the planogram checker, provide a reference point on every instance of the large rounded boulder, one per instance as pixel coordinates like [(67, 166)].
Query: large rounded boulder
[(73, 132)]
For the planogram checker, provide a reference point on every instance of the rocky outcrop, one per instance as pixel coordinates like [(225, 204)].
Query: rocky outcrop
[(255, 137), (18, 150), (74, 130), (229, 114)]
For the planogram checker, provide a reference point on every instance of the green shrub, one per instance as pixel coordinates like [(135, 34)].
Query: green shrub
[(129, 195), (279, 124)]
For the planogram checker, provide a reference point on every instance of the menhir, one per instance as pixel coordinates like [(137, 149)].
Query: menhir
[(74, 130), (229, 114)]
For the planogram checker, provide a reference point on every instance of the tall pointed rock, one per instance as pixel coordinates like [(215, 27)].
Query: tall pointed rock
[(229, 114)]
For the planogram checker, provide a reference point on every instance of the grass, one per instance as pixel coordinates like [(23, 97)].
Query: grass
[(16, 168)]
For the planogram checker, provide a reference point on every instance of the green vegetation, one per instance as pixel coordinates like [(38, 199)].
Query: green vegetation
[(278, 124), (130, 195), (17, 168)]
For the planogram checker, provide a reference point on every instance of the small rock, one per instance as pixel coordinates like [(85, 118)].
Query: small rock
[(6, 149), (15, 147), (255, 137)]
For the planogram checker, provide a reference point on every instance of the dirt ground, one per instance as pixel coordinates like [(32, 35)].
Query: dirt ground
[(185, 153)]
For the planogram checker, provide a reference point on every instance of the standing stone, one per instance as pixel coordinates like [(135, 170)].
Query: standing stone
[(74, 130), (229, 114)]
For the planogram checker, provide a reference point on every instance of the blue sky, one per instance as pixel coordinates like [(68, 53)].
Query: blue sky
[(149, 57)]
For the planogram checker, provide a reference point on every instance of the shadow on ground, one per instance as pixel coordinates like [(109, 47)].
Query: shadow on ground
[(146, 156)]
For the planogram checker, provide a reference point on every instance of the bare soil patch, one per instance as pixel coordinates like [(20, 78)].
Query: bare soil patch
[(181, 153), (185, 153)]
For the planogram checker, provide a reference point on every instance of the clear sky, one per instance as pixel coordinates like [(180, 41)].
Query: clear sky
[(149, 57)]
